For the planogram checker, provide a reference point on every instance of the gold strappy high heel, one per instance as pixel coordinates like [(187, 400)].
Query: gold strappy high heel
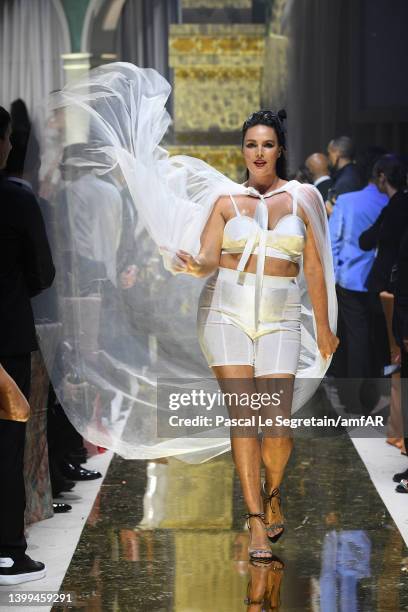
[(254, 553), (13, 404), (270, 499)]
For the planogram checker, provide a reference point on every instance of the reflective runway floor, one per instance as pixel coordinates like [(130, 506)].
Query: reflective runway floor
[(182, 547)]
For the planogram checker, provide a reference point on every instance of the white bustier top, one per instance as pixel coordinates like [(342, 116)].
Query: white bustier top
[(285, 241), (250, 235)]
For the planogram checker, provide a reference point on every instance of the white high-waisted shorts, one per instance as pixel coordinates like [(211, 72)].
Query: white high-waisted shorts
[(226, 322)]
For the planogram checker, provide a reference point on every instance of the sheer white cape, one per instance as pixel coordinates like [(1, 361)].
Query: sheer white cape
[(118, 338)]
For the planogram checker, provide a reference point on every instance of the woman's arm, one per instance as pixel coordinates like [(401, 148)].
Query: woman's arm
[(208, 259), (316, 284)]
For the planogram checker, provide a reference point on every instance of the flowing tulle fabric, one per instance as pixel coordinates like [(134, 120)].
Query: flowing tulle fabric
[(121, 209)]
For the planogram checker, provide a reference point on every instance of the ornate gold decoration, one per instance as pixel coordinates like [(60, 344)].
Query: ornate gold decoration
[(213, 45), (218, 72), (215, 98), (226, 159)]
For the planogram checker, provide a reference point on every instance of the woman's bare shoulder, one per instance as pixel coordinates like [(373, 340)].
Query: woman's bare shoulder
[(222, 200), (222, 204)]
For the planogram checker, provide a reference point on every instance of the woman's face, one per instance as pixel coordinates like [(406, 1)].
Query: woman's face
[(261, 150)]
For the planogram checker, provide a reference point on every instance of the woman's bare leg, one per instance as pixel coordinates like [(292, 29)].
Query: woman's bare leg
[(246, 451), (277, 443)]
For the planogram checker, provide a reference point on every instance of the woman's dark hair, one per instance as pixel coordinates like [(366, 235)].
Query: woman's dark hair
[(5, 121), (394, 169), (24, 156), (276, 121), (366, 160)]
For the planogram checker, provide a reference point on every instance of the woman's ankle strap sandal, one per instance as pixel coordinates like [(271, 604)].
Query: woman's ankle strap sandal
[(253, 602), (249, 515), (269, 499), (261, 555)]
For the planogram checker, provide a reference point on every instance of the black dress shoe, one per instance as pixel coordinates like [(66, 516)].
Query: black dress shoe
[(59, 484), (400, 476), (76, 472), (61, 508), (16, 571), (402, 487)]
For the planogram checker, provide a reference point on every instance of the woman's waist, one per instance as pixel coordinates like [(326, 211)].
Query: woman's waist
[(249, 278), (274, 266)]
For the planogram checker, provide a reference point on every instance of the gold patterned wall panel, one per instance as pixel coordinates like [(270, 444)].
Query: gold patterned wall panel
[(226, 159), (210, 44), (219, 98), (217, 75), (216, 4)]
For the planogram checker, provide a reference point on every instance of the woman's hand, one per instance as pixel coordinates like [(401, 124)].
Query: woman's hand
[(327, 342), (184, 262)]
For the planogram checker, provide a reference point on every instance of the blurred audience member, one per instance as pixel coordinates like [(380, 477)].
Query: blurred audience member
[(365, 160), (66, 453), (400, 329), (318, 167), (385, 236), (343, 169), (92, 209), (54, 136), (386, 233), (26, 269), (303, 175), (22, 165), (20, 120), (60, 431), (23, 139), (355, 212)]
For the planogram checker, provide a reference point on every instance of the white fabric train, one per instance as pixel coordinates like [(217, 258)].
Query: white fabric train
[(116, 340)]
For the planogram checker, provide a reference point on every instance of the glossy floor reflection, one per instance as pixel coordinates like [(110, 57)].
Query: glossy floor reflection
[(183, 546)]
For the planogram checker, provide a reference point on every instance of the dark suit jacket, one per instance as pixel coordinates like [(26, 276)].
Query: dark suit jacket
[(324, 187), (347, 179), (400, 315), (26, 266), (385, 235)]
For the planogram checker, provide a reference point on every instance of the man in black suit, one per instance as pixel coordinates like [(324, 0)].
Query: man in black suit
[(346, 177), (26, 269), (386, 233), (318, 166), (400, 330)]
